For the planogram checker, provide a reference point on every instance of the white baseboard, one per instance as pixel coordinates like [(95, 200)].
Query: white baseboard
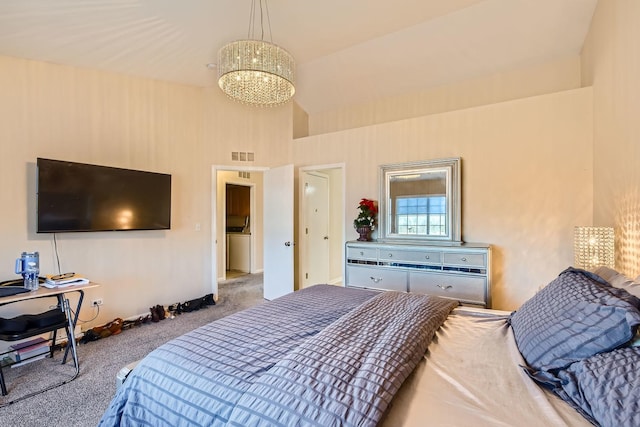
[(137, 316), (258, 271)]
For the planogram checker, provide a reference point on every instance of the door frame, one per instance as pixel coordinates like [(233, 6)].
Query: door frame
[(214, 218), (302, 254)]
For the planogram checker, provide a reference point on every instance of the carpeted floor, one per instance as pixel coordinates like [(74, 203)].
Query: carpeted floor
[(82, 401)]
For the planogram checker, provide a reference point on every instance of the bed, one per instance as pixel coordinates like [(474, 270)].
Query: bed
[(332, 356)]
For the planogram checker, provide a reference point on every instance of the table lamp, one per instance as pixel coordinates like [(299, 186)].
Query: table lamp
[(593, 247)]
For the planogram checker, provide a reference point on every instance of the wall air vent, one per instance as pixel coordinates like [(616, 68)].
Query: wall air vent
[(242, 156)]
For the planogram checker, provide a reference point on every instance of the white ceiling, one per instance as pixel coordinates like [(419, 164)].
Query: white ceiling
[(347, 51)]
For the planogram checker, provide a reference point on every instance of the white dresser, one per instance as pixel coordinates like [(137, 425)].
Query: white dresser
[(458, 272)]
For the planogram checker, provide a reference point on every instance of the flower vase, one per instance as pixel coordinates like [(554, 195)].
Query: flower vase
[(365, 234)]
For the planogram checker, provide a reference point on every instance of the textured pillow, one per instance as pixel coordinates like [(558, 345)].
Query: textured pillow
[(605, 387), (619, 280), (574, 317)]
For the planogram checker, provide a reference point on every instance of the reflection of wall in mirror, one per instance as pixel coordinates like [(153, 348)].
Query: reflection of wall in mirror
[(433, 185)]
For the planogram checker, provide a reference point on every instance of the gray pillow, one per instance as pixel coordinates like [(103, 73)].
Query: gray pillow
[(574, 317), (619, 280), (605, 388)]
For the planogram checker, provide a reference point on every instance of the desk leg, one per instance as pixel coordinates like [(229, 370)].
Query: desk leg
[(71, 337), (3, 387), (74, 322)]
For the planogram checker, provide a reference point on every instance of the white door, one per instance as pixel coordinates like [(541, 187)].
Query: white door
[(316, 228), (278, 231)]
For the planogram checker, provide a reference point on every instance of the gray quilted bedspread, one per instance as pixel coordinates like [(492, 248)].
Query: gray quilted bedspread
[(325, 356)]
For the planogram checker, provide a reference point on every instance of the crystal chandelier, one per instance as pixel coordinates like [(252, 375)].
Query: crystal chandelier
[(254, 71)]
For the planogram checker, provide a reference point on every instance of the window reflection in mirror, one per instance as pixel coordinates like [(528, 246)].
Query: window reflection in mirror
[(418, 204), (420, 200)]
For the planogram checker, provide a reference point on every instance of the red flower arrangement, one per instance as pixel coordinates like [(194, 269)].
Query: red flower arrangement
[(367, 215)]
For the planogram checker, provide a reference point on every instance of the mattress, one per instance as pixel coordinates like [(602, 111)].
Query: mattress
[(471, 375)]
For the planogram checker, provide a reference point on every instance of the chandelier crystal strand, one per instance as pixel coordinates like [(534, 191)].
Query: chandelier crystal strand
[(256, 72)]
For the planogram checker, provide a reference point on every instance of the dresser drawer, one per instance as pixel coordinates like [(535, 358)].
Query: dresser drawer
[(466, 289), (467, 259), (362, 253), (377, 278), (407, 256)]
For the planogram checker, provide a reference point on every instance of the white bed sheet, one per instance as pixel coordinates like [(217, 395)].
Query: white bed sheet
[(471, 376)]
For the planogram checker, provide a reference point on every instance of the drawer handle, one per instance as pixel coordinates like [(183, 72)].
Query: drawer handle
[(463, 259), (390, 255), (426, 257), (361, 253), (444, 287), (376, 280)]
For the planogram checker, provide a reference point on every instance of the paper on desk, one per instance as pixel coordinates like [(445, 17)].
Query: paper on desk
[(51, 284), (61, 279)]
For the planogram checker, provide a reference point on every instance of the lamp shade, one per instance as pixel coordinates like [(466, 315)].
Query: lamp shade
[(256, 72), (593, 247)]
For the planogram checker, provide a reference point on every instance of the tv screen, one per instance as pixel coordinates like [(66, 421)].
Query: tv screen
[(82, 197)]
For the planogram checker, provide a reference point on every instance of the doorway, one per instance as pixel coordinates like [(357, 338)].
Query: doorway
[(238, 209), (238, 218), (322, 228), (271, 197)]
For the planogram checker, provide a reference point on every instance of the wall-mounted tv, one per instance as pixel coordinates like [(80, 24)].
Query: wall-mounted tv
[(82, 197)]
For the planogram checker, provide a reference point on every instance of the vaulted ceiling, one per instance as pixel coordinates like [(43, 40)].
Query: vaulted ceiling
[(347, 51)]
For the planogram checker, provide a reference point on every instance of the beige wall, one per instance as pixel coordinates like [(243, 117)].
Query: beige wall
[(611, 63), (526, 177), (104, 118), (300, 122), (526, 81)]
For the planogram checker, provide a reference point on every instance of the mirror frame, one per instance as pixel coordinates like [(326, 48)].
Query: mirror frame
[(451, 167)]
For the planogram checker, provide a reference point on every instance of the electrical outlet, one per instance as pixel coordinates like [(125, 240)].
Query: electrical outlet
[(97, 302)]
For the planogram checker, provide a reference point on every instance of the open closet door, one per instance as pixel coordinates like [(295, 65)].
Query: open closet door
[(278, 231)]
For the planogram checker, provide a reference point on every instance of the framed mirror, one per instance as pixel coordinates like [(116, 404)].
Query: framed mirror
[(420, 201)]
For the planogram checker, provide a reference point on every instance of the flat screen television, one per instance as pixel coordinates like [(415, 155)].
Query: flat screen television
[(82, 197)]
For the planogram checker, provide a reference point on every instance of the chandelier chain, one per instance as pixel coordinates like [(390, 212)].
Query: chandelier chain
[(252, 21)]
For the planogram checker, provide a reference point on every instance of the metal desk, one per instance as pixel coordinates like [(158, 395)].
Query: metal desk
[(72, 319)]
